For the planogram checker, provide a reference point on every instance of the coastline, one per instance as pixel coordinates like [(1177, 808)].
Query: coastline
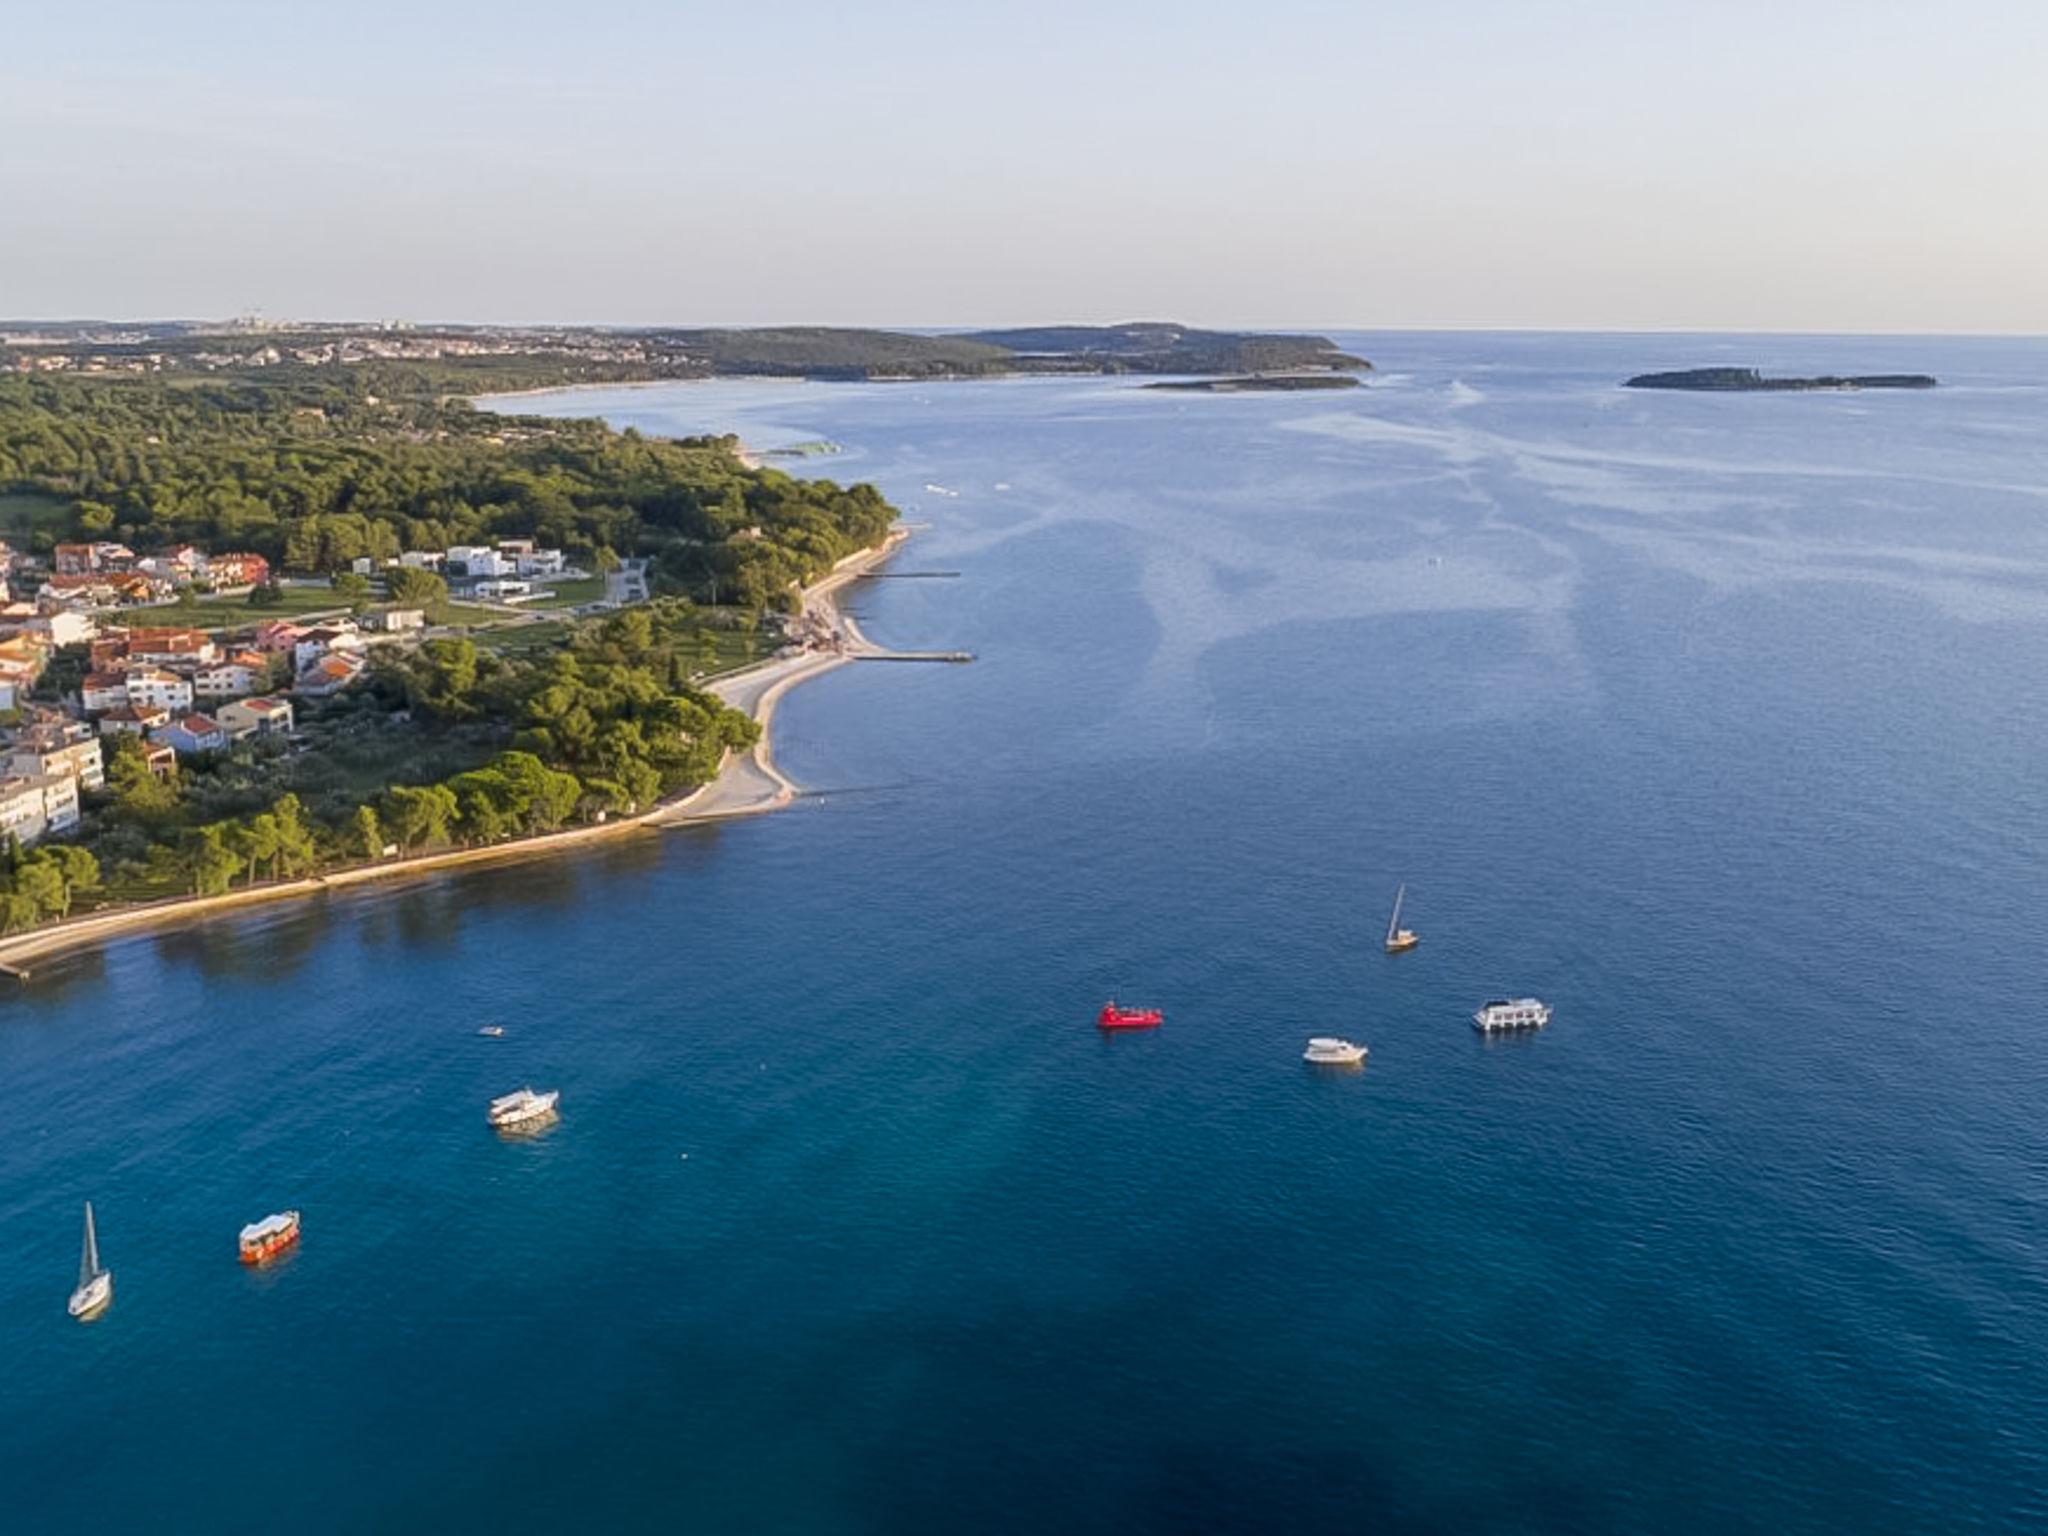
[(747, 785)]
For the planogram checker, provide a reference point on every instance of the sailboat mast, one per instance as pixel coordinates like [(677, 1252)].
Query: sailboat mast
[(1394, 922), (89, 1261)]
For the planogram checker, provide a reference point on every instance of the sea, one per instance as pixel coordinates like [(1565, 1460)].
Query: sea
[(1717, 722)]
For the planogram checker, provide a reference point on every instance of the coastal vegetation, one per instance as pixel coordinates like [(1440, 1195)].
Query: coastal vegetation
[(451, 745)]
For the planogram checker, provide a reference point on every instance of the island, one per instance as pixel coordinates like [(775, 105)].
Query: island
[(1723, 380), (1243, 383)]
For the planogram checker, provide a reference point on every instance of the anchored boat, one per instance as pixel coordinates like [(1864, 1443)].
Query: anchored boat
[(95, 1291), (1511, 1013), (1399, 938), (266, 1239), (1113, 1017), (1329, 1051), (524, 1107)]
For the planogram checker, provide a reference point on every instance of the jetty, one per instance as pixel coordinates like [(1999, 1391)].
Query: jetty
[(877, 655)]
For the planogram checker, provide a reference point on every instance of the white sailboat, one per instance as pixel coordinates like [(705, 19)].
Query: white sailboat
[(1399, 938), (95, 1291)]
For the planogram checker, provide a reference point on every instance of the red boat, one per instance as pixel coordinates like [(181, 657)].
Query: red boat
[(1113, 1017)]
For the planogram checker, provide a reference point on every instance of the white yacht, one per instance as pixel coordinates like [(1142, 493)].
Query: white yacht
[(523, 1107), (1329, 1051), (1511, 1013), (95, 1291)]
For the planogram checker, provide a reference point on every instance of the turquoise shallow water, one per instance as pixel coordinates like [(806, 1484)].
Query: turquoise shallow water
[(1717, 722)]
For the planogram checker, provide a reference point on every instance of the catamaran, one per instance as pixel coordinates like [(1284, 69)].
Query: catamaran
[(95, 1291), (1399, 938)]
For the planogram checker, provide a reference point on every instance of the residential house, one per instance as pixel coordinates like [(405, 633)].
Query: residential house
[(474, 560), (316, 643), (541, 562), (63, 627), (70, 749), (397, 620), (172, 647), (329, 675), (181, 565), (229, 680), (126, 721), (279, 637), (30, 807), (504, 588), (158, 758), (238, 568), (91, 559), (422, 559), (255, 717), (102, 691), (626, 583), (188, 734), (154, 688)]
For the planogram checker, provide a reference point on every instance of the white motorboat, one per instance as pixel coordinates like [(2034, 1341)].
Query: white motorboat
[(1329, 1051), (524, 1107), (95, 1291)]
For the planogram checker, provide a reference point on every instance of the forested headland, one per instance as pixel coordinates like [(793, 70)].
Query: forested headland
[(316, 471), (461, 739)]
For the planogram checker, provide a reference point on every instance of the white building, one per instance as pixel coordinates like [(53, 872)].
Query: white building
[(227, 680), (255, 717), (51, 751), (473, 560), (64, 627), (32, 807), (154, 688)]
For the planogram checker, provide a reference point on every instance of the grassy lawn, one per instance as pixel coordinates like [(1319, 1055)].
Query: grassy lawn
[(238, 612), (571, 594)]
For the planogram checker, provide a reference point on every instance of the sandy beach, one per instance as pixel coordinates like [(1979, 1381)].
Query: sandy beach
[(749, 784)]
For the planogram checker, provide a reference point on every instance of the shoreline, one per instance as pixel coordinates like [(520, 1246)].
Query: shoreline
[(747, 785)]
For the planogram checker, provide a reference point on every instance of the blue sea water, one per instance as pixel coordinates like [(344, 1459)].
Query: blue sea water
[(1717, 722)]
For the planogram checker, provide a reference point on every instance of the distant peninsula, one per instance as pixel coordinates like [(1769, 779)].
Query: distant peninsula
[(1749, 380), (1244, 383), (462, 360)]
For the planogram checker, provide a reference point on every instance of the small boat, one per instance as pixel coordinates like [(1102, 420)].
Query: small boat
[(95, 1291), (1399, 938), (494, 1031), (523, 1107), (1113, 1017), (264, 1240), (1329, 1051), (1511, 1013)]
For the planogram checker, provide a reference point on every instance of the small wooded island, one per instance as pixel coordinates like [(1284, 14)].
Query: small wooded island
[(1749, 379), (1261, 381)]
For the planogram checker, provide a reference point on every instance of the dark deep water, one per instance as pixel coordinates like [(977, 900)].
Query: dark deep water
[(1718, 722)]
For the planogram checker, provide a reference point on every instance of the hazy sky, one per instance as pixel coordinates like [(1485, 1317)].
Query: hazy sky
[(1796, 164)]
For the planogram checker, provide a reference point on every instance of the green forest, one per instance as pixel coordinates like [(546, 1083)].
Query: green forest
[(318, 468)]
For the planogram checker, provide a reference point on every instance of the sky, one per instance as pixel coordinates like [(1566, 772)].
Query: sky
[(1799, 165)]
